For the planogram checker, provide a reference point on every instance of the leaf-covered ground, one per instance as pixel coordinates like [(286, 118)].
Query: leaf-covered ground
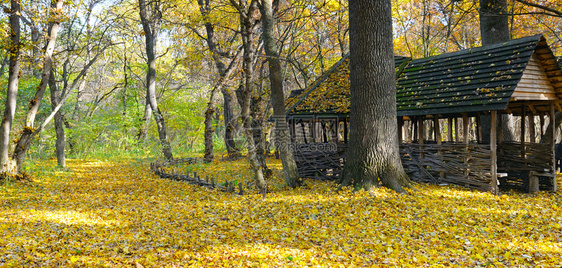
[(110, 214)]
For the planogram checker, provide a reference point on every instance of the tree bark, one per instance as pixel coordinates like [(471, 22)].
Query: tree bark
[(13, 82), (229, 122), (373, 152), (56, 99), (494, 23), (24, 141), (247, 22), (150, 39), (494, 28), (228, 109), (282, 136)]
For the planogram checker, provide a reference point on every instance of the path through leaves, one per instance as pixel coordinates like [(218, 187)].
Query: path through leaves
[(115, 214)]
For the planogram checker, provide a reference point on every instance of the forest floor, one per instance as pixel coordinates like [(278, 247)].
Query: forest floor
[(117, 214)]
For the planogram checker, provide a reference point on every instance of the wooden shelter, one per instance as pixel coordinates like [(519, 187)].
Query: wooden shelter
[(450, 109)]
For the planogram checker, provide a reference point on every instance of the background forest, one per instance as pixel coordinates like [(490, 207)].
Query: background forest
[(99, 64), (115, 85)]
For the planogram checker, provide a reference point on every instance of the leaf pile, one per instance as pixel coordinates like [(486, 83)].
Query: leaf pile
[(109, 214)]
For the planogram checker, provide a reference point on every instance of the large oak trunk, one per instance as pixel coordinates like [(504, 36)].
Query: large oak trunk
[(373, 152), (494, 28)]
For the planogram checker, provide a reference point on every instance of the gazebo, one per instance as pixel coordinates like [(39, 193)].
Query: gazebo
[(443, 104)]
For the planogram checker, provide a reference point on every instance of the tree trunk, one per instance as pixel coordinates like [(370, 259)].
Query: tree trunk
[(229, 123), (24, 141), (228, 109), (150, 38), (282, 136), (494, 23), (143, 131), (56, 98), (373, 152), (209, 130), (13, 82), (494, 28), (247, 21)]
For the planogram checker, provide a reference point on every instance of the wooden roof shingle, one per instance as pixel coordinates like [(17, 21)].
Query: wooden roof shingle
[(472, 80)]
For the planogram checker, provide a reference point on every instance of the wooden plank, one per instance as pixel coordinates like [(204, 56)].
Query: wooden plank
[(450, 129), (522, 96), (421, 130), (493, 149), (532, 128), (552, 144), (479, 127)]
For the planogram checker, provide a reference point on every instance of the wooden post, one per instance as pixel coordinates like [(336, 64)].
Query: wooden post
[(337, 133), (345, 130), (313, 130), (436, 129), (324, 129), (523, 124), (421, 130), (532, 138), (500, 129), (466, 140), (465, 128), (541, 117), (552, 126), (450, 129), (437, 134), (479, 128), (304, 131), (523, 130), (493, 148)]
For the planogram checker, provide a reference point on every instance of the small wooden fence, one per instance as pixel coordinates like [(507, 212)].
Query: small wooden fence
[(166, 170), (467, 165), (522, 160), (322, 161)]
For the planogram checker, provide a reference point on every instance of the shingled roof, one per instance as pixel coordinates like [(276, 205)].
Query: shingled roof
[(480, 79), (473, 80), (329, 94)]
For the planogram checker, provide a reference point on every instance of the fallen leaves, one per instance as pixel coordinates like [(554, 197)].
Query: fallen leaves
[(110, 214)]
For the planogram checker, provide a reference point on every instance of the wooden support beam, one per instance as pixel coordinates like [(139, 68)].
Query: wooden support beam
[(541, 117), (465, 128), (421, 130), (523, 130), (437, 134), (466, 141), (479, 127), (337, 136), (500, 129), (312, 127), (532, 138), (324, 128), (450, 129), (493, 148), (345, 130), (532, 109), (552, 144), (436, 129), (303, 127), (292, 129)]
